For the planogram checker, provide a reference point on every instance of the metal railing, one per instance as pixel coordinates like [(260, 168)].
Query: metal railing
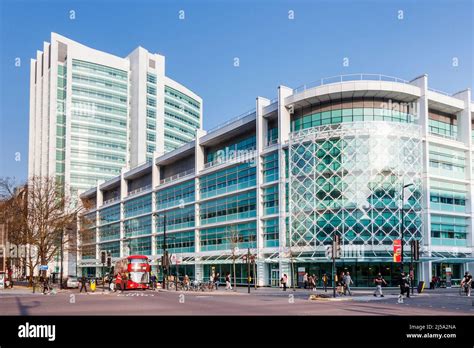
[(111, 200), (243, 156), (140, 189), (270, 142), (438, 91), (232, 120), (349, 77), (177, 176)]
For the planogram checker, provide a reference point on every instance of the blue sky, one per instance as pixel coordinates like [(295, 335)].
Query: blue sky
[(272, 49)]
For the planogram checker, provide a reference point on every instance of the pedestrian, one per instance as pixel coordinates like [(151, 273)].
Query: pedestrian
[(379, 281), (216, 281), (340, 284), (153, 281), (46, 288), (315, 281), (433, 282), (466, 283), (228, 286), (305, 280), (10, 277), (124, 281), (325, 282), (211, 280), (283, 281), (404, 285), (186, 282), (347, 283), (83, 283)]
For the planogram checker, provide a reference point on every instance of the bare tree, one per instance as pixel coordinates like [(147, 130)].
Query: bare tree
[(234, 241), (43, 216)]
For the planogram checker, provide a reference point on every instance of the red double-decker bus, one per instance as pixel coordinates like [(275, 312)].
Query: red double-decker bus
[(135, 269)]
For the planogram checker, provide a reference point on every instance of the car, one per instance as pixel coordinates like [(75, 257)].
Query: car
[(72, 282)]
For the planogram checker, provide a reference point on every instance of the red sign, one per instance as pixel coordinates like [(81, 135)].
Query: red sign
[(397, 250)]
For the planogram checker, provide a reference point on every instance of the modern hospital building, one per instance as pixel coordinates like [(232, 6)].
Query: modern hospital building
[(328, 158)]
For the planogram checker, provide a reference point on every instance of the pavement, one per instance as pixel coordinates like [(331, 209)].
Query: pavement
[(264, 301)]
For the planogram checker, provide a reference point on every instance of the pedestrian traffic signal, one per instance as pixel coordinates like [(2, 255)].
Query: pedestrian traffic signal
[(415, 249), (103, 256), (329, 251), (109, 261), (337, 247)]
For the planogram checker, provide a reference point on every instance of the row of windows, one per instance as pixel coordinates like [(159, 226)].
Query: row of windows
[(137, 206), (242, 236), (83, 106), (270, 200), (112, 247), (89, 93), (91, 130), (349, 115), (140, 246), (181, 108), (442, 128), (99, 82), (180, 129), (95, 168), (448, 201), (183, 97), (109, 232), (244, 144), (150, 77), (170, 114), (170, 136), (270, 167), (271, 233), (138, 226), (78, 142), (240, 206), (109, 214), (150, 101), (98, 69), (150, 89), (182, 242), (228, 180), (175, 195), (106, 120), (177, 219), (97, 156)]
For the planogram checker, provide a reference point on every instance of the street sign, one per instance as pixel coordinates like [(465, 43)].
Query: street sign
[(397, 250), (43, 267)]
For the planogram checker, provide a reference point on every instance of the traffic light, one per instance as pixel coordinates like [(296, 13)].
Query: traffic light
[(337, 247), (329, 251), (103, 256), (415, 249), (109, 261)]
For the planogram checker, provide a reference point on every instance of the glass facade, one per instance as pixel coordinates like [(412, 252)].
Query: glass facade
[(182, 118), (225, 237), (99, 103), (241, 206), (228, 180)]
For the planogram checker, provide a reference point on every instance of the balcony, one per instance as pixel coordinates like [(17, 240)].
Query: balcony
[(139, 190), (177, 176)]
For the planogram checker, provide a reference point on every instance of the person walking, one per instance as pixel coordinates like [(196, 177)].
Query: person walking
[(284, 281), (347, 283), (123, 282), (228, 286), (379, 281), (404, 284), (305, 280), (466, 283), (186, 282), (325, 282), (153, 281), (211, 280), (216, 281), (83, 283)]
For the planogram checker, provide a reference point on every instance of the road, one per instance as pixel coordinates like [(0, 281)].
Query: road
[(259, 302)]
